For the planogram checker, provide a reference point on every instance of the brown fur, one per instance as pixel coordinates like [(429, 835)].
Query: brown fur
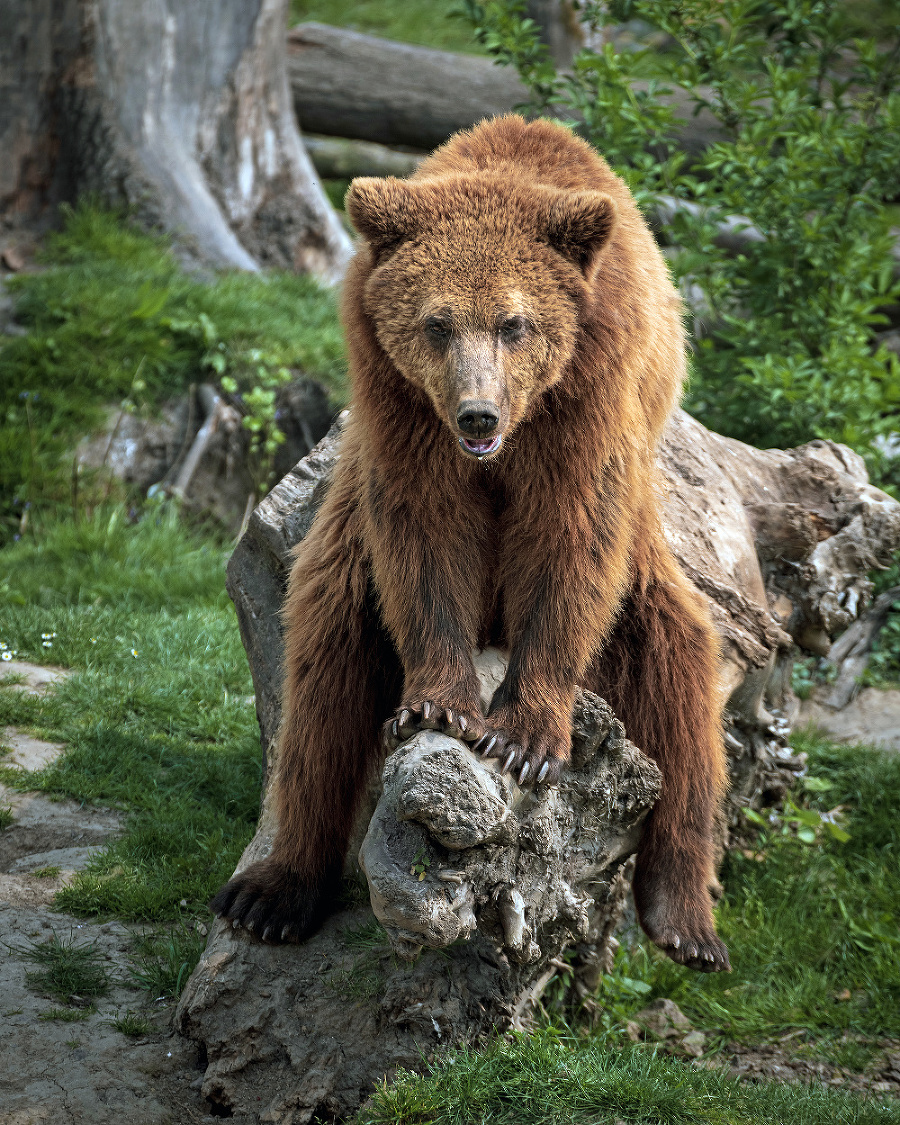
[(550, 545)]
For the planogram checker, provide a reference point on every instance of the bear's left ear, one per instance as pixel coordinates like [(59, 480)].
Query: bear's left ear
[(578, 224), (384, 211)]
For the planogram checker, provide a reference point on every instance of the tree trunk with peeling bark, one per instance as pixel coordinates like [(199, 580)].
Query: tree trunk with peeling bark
[(180, 110), (479, 888)]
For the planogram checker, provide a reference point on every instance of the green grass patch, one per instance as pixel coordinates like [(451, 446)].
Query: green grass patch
[(6, 817), (164, 960), (805, 925), (552, 1079), (65, 970), (159, 719), (132, 1025), (113, 318), (428, 23), (67, 1015)]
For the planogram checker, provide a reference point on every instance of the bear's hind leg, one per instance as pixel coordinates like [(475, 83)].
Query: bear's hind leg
[(342, 677), (659, 673)]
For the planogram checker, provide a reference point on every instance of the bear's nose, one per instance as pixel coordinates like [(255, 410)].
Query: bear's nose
[(477, 417)]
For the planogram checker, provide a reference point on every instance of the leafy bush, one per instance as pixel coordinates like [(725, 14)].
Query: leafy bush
[(809, 124), (113, 318)]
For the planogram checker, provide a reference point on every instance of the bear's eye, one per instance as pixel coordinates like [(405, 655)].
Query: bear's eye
[(438, 330), (513, 329)]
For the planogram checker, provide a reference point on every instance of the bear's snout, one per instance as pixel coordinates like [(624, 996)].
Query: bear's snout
[(477, 418)]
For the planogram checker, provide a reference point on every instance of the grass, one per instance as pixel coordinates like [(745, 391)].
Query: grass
[(69, 972), (113, 318), (132, 1025), (6, 817), (554, 1079), (67, 1015), (165, 959), (158, 719), (427, 23), (804, 924)]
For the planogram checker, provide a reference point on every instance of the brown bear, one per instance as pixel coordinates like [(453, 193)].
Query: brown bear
[(516, 345)]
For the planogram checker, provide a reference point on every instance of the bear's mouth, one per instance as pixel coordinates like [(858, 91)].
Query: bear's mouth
[(481, 447)]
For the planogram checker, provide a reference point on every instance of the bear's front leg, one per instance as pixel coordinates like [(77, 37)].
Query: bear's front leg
[(430, 558), (561, 586)]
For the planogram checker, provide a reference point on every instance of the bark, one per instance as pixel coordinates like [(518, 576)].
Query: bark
[(180, 110), (779, 541), (559, 28), (350, 85)]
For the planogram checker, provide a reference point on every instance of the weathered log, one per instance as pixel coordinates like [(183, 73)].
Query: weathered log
[(339, 158), (780, 542), (346, 84), (454, 850), (181, 111)]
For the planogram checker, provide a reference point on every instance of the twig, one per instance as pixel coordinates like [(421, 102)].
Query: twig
[(852, 649)]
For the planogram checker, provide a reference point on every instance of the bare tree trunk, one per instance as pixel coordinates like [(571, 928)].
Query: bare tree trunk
[(180, 110), (560, 29)]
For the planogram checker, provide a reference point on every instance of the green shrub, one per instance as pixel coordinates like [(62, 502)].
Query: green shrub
[(809, 118)]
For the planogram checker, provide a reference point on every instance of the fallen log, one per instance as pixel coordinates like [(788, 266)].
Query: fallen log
[(346, 84), (494, 891)]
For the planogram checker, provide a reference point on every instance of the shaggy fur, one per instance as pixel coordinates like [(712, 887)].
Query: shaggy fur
[(513, 272)]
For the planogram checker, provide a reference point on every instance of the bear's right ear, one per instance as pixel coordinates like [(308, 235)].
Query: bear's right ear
[(384, 211)]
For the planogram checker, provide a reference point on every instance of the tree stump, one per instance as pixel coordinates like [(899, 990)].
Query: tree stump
[(181, 111), (483, 891)]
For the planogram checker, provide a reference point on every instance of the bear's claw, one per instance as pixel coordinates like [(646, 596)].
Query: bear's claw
[(682, 925), (536, 761), (428, 715)]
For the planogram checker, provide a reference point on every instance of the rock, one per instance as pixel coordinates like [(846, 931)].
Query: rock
[(871, 719), (663, 1019)]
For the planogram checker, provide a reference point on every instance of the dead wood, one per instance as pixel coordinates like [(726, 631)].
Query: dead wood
[(851, 651), (780, 542), (346, 84)]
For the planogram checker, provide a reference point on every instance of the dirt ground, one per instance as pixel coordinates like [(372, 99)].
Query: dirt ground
[(84, 1072), (89, 1073)]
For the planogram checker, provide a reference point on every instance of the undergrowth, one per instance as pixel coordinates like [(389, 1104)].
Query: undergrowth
[(425, 22), (113, 319)]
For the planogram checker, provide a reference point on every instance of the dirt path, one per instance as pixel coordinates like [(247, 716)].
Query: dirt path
[(84, 1071)]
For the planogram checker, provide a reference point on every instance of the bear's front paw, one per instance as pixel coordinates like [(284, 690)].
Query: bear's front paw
[(429, 715), (273, 903), (535, 757)]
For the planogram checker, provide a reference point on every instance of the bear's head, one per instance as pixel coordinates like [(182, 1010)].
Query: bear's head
[(477, 289)]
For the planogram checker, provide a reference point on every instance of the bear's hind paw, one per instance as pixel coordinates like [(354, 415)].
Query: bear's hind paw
[(272, 903)]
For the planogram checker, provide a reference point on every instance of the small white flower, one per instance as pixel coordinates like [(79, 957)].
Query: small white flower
[(7, 655), (134, 652), (2, 646), (47, 644), (93, 640)]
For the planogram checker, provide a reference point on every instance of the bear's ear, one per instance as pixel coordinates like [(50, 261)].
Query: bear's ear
[(578, 224), (384, 211)]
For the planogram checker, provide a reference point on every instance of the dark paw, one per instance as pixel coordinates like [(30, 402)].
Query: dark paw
[(273, 904), (681, 925), (695, 948), (532, 759), (428, 715)]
